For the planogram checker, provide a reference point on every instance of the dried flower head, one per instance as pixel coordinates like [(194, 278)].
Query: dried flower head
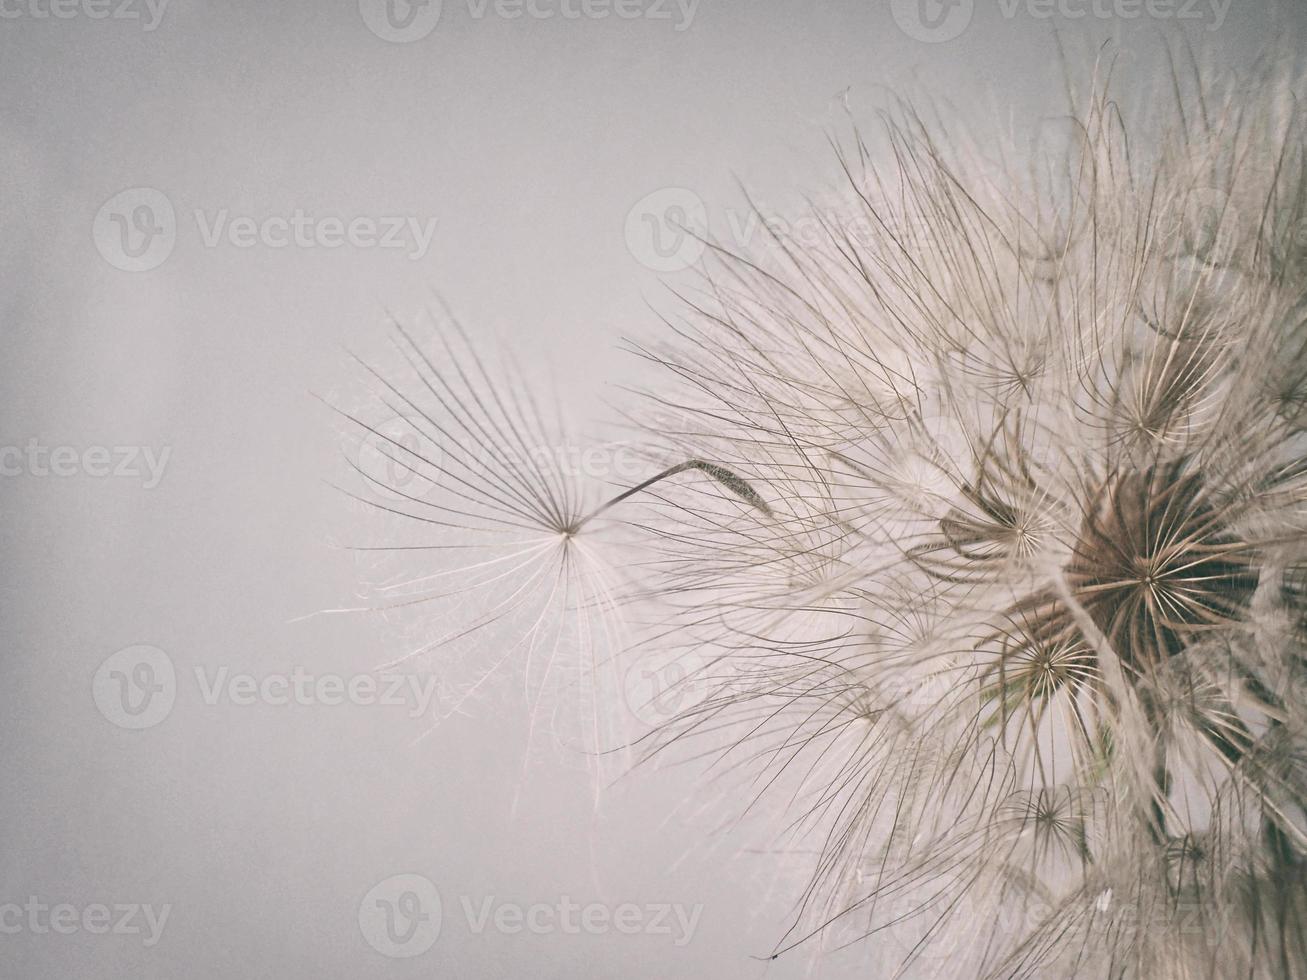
[(1020, 629), (981, 537)]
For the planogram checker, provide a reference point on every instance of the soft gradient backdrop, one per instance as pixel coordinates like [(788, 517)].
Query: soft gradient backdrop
[(527, 140)]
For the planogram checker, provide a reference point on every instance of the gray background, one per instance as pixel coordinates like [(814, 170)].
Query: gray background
[(528, 140)]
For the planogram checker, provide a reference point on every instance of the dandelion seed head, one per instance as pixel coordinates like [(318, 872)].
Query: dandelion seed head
[(978, 539), (1024, 617)]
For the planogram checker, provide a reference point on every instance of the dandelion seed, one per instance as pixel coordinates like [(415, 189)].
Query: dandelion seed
[(508, 574)]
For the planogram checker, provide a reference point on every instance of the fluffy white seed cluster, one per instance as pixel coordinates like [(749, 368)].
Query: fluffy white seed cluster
[(981, 545), (1020, 633)]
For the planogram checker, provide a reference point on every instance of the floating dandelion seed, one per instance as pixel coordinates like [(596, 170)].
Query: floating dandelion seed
[(488, 520), (508, 573)]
